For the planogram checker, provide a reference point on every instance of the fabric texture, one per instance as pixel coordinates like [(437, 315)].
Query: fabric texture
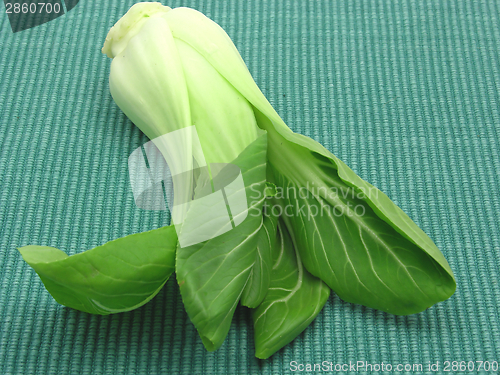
[(406, 93)]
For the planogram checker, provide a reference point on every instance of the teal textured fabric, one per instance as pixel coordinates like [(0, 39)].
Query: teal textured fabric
[(406, 93)]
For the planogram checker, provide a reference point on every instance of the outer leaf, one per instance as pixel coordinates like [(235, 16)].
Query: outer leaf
[(118, 276), (359, 254), (212, 274), (294, 299), (296, 156), (258, 283), (147, 81), (224, 120)]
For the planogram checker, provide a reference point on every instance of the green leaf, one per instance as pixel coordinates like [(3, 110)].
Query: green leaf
[(118, 276), (354, 237), (294, 299), (224, 120), (212, 274), (258, 283)]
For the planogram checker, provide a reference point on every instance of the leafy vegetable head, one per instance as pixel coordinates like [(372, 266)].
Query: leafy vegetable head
[(174, 70), (375, 255)]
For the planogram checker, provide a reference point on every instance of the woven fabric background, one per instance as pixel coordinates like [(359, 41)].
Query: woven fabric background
[(407, 93)]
